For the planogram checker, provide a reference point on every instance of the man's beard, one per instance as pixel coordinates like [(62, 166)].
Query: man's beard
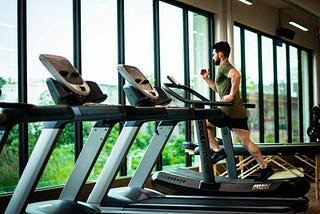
[(217, 62)]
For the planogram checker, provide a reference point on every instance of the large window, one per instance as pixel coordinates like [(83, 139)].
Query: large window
[(282, 92), (277, 80), (99, 45), (252, 81), (172, 63), (49, 30), (9, 87), (96, 35), (268, 89), (139, 52)]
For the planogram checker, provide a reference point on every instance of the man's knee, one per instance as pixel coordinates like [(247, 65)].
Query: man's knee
[(209, 125)]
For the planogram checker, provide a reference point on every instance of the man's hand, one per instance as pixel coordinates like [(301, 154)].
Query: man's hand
[(227, 98), (204, 73)]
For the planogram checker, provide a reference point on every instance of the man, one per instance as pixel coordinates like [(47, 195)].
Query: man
[(227, 84)]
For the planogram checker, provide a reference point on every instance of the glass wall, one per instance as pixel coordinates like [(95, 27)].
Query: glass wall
[(139, 52), (294, 93), (52, 28), (49, 30), (9, 87), (172, 63), (99, 61), (252, 81), (305, 94), (282, 93), (268, 88), (277, 79)]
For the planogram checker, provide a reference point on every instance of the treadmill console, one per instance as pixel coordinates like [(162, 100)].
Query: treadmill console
[(67, 86), (135, 77), (65, 73)]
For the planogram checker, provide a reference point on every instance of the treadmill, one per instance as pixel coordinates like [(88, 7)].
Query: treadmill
[(136, 197), (62, 70), (226, 186), (84, 98)]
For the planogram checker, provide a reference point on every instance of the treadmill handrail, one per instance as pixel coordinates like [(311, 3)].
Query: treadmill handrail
[(14, 113), (203, 100)]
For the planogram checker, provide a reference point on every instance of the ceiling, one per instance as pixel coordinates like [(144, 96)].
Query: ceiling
[(308, 10), (312, 6)]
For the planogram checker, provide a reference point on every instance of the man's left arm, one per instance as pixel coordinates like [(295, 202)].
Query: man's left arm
[(235, 77)]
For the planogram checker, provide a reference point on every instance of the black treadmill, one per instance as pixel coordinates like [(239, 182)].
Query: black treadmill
[(187, 182), (136, 197)]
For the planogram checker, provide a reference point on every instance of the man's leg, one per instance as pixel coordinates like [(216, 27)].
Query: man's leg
[(218, 153), (212, 138), (244, 137)]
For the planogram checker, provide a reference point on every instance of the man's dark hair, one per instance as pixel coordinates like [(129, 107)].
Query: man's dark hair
[(224, 47)]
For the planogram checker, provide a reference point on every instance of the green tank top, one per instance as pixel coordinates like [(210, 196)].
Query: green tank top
[(237, 110)]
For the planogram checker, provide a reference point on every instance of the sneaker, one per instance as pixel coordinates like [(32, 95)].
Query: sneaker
[(264, 174), (218, 156)]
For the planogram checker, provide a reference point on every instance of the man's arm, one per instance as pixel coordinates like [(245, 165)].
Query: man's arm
[(235, 77), (205, 75)]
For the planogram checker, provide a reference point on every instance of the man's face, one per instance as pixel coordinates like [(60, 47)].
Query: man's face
[(215, 57)]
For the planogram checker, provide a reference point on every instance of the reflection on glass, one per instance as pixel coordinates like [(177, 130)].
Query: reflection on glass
[(49, 30), (268, 84), (252, 82), (294, 90), (9, 163), (282, 92)]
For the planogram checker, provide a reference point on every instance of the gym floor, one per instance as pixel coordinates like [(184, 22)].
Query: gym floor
[(314, 204)]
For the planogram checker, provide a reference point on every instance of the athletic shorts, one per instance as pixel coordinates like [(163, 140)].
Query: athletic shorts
[(238, 123)]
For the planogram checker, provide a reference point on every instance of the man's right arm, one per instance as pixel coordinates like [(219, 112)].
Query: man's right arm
[(205, 75)]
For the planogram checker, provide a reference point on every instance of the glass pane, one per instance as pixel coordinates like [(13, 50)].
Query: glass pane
[(171, 56), (9, 86), (237, 48), (139, 53), (268, 91), (198, 51), (252, 82), (49, 29), (294, 88), (171, 42), (305, 94), (282, 92), (99, 45), (99, 61)]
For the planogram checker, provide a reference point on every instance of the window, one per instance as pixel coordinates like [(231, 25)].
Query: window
[(252, 81), (9, 87), (282, 93), (139, 52), (49, 30), (268, 88), (294, 93), (99, 45), (172, 63), (277, 80), (305, 94)]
